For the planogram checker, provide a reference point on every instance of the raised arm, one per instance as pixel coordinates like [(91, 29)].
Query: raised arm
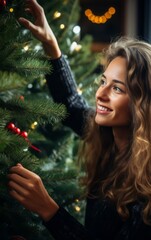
[(61, 82)]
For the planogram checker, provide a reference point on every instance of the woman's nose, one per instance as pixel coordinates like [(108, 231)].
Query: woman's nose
[(102, 93)]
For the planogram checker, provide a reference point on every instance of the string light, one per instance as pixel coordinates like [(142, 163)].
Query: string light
[(75, 47), (77, 30), (77, 208), (37, 47), (34, 125), (79, 90), (11, 10), (78, 47), (44, 81), (26, 48), (56, 15), (100, 19), (62, 26)]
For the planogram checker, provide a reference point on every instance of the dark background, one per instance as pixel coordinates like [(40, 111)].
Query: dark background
[(132, 17)]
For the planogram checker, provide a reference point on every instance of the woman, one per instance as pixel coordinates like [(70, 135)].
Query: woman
[(116, 149)]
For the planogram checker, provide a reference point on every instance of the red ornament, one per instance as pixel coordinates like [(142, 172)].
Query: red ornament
[(24, 134), (16, 130), (3, 3), (10, 126), (21, 98)]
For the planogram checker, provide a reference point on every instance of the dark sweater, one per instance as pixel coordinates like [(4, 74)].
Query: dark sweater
[(102, 221)]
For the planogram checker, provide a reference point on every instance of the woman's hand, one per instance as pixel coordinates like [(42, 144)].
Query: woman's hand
[(27, 188), (41, 29)]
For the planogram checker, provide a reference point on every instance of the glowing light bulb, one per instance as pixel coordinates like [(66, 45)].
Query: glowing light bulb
[(11, 10), (76, 29), (26, 48), (62, 26), (34, 125), (77, 208), (56, 15)]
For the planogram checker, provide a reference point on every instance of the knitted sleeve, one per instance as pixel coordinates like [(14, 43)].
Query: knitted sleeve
[(63, 89), (65, 227)]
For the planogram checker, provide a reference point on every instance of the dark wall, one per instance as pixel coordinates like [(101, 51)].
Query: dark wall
[(115, 26)]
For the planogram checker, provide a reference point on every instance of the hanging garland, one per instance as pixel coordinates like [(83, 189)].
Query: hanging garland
[(100, 19), (11, 127)]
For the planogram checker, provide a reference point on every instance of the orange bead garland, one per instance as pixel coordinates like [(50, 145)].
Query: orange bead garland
[(100, 19)]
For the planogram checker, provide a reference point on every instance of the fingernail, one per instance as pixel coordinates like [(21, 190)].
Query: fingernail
[(19, 164)]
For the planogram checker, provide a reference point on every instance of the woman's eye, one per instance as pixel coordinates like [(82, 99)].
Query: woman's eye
[(117, 89), (102, 82)]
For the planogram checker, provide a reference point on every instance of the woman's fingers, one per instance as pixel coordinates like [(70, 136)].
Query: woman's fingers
[(25, 22), (16, 195), (17, 189), (38, 27), (23, 184), (21, 171), (17, 179), (34, 8), (27, 188)]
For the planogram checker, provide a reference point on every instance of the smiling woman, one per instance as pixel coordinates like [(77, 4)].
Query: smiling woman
[(112, 99), (116, 145)]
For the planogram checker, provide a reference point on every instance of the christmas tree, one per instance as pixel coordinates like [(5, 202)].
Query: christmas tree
[(28, 113)]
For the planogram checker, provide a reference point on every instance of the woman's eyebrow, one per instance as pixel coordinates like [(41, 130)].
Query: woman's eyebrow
[(118, 81), (114, 80)]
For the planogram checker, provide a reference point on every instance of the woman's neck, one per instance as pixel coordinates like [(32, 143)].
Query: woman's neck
[(121, 137)]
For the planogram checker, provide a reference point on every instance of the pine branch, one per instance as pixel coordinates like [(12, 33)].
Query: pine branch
[(42, 110), (11, 81)]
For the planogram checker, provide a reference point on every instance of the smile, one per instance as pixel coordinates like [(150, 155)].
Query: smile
[(103, 109)]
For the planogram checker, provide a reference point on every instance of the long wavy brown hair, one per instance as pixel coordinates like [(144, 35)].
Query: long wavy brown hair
[(124, 177)]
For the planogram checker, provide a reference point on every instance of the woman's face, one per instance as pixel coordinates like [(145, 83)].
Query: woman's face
[(112, 99)]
